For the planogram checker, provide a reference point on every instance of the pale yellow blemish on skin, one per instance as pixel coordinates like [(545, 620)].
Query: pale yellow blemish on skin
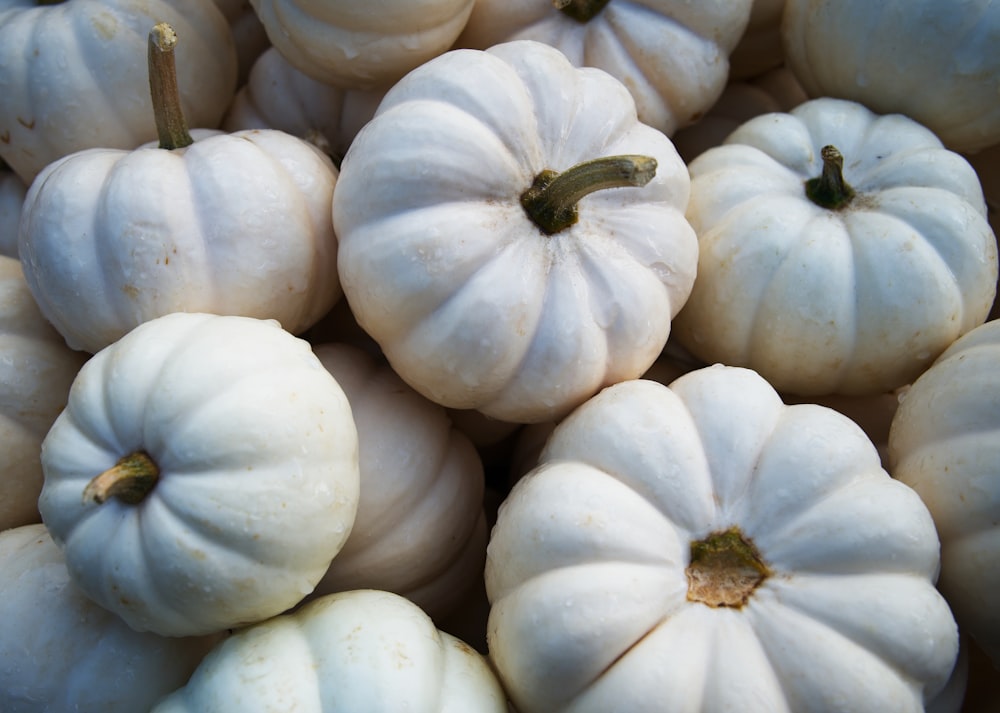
[(106, 24)]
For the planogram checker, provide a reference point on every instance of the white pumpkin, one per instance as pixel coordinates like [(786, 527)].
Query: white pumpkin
[(357, 45), (362, 651), (825, 288), (936, 62), (944, 442), (62, 653), (479, 301), (36, 370), (673, 55), (203, 474), (73, 74), (420, 529), (279, 96), (235, 224), (201, 222), (704, 547)]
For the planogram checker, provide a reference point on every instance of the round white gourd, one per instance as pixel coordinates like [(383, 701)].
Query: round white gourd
[(823, 288), (704, 547), (240, 482), (477, 303), (234, 224)]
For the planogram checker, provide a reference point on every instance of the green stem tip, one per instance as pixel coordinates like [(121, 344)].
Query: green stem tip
[(830, 190)]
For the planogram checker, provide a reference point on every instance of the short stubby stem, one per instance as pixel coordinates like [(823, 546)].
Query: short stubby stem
[(551, 200), (830, 190), (170, 124), (725, 569), (130, 480), (580, 10)]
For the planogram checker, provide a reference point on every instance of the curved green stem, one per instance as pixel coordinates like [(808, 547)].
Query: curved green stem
[(551, 201), (130, 480), (580, 10), (830, 190), (170, 124)]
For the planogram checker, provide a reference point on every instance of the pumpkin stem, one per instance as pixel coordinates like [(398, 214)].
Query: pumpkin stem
[(170, 124), (830, 190), (725, 569), (551, 200), (580, 10), (129, 480)]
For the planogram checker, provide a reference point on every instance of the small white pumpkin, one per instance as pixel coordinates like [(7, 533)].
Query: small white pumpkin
[(36, 370), (357, 45), (203, 474), (488, 283), (420, 529), (362, 651), (73, 74), (673, 55), (944, 442), (840, 251), (936, 62), (704, 547), (201, 222), (62, 653)]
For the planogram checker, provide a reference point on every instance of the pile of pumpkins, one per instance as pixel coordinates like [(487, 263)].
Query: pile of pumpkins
[(468, 355)]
